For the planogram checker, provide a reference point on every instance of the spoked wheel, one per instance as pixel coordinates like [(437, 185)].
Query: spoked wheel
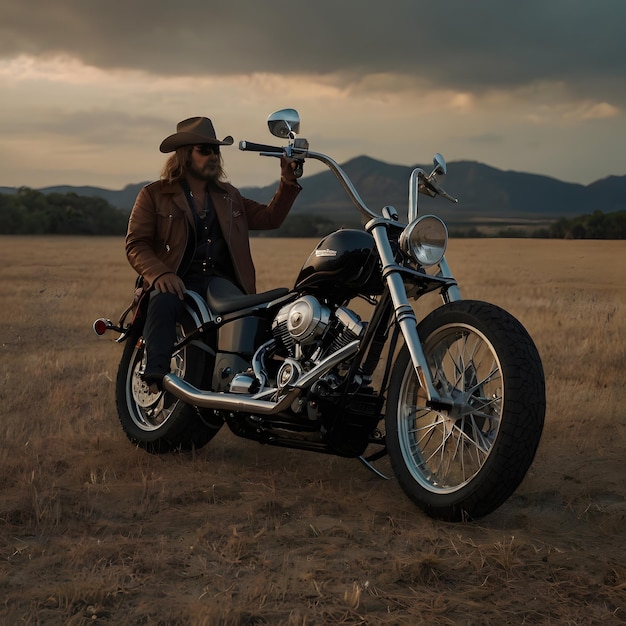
[(462, 463), (161, 422)]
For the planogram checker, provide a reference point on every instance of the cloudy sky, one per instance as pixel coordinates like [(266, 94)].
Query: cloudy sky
[(89, 88)]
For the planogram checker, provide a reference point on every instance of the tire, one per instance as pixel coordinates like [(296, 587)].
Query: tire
[(161, 423), (462, 464)]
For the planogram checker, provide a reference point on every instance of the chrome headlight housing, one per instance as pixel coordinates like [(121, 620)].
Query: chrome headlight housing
[(425, 240)]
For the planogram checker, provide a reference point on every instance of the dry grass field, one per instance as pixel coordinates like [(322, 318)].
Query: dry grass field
[(93, 530)]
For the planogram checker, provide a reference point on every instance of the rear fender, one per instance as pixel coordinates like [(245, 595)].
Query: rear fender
[(197, 309)]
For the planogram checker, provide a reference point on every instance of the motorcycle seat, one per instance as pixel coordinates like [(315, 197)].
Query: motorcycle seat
[(225, 297)]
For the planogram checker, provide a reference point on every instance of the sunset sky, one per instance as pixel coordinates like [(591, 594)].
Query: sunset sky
[(90, 88)]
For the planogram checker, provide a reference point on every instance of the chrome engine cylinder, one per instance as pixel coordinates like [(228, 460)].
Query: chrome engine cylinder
[(301, 322)]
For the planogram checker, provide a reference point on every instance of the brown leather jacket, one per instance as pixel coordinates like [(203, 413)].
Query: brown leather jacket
[(161, 220)]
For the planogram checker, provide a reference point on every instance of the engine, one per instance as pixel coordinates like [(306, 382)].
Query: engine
[(305, 332), (308, 330)]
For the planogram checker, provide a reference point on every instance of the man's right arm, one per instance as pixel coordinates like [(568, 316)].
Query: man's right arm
[(140, 240)]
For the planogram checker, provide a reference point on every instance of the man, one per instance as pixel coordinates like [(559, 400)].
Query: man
[(191, 227)]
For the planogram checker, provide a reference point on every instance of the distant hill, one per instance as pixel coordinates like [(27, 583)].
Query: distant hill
[(485, 193)]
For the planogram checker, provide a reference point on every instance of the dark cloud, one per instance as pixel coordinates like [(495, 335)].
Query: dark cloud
[(94, 127), (465, 45)]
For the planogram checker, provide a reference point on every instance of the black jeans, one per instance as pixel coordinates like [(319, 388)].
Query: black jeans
[(164, 310)]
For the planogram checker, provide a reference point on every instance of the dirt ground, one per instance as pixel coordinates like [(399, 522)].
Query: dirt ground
[(93, 530)]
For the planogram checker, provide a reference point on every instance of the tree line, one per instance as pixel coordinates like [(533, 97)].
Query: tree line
[(32, 212), (597, 225)]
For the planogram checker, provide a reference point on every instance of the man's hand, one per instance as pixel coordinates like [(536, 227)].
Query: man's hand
[(290, 169), (171, 283)]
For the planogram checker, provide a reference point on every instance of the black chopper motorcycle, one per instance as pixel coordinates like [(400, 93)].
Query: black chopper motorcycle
[(456, 399)]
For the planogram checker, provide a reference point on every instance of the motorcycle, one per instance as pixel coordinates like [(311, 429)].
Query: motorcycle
[(456, 400)]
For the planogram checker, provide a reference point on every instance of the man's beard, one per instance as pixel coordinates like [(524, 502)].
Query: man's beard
[(211, 172)]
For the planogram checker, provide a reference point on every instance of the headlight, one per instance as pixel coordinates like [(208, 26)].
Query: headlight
[(425, 240)]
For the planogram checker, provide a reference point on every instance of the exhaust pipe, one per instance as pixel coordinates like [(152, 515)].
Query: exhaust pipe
[(247, 404), (225, 401)]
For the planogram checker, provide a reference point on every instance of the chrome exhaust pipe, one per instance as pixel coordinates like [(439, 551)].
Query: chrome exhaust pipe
[(247, 404), (225, 401)]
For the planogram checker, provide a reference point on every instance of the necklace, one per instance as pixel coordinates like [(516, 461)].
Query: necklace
[(200, 210)]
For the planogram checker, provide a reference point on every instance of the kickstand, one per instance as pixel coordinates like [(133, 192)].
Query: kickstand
[(374, 457)]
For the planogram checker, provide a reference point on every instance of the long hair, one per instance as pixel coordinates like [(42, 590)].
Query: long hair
[(176, 166)]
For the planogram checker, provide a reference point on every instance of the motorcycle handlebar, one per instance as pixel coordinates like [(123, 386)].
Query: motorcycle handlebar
[(303, 152), (259, 147), (295, 152)]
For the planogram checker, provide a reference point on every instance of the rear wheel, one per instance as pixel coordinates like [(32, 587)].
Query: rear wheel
[(465, 462), (161, 422)]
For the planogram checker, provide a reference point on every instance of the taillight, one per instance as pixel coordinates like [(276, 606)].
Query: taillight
[(101, 325)]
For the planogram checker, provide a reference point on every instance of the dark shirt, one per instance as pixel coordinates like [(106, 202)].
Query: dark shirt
[(207, 253)]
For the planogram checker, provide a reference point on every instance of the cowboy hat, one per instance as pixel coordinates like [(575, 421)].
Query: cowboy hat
[(195, 130)]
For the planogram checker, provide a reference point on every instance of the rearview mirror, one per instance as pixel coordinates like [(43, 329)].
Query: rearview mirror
[(284, 123), (440, 164)]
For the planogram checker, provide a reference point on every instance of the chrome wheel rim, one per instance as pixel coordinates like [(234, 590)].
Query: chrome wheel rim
[(150, 411), (445, 450)]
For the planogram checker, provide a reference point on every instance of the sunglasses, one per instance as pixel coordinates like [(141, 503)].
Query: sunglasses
[(207, 148)]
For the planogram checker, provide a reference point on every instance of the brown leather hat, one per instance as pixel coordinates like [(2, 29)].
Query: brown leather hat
[(194, 130)]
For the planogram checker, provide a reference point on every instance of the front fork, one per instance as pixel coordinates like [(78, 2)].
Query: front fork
[(405, 316)]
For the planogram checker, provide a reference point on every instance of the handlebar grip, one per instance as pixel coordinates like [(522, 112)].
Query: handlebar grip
[(258, 147)]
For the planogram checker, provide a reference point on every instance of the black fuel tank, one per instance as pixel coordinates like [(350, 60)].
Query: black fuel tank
[(344, 264)]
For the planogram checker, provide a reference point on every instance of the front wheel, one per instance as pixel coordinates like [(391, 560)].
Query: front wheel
[(463, 463)]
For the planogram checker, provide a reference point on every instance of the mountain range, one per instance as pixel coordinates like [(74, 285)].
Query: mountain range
[(485, 193)]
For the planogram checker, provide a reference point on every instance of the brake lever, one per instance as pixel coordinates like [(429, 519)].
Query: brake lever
[(298, 169), (433, 188), (298, 145), (446, 195)]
